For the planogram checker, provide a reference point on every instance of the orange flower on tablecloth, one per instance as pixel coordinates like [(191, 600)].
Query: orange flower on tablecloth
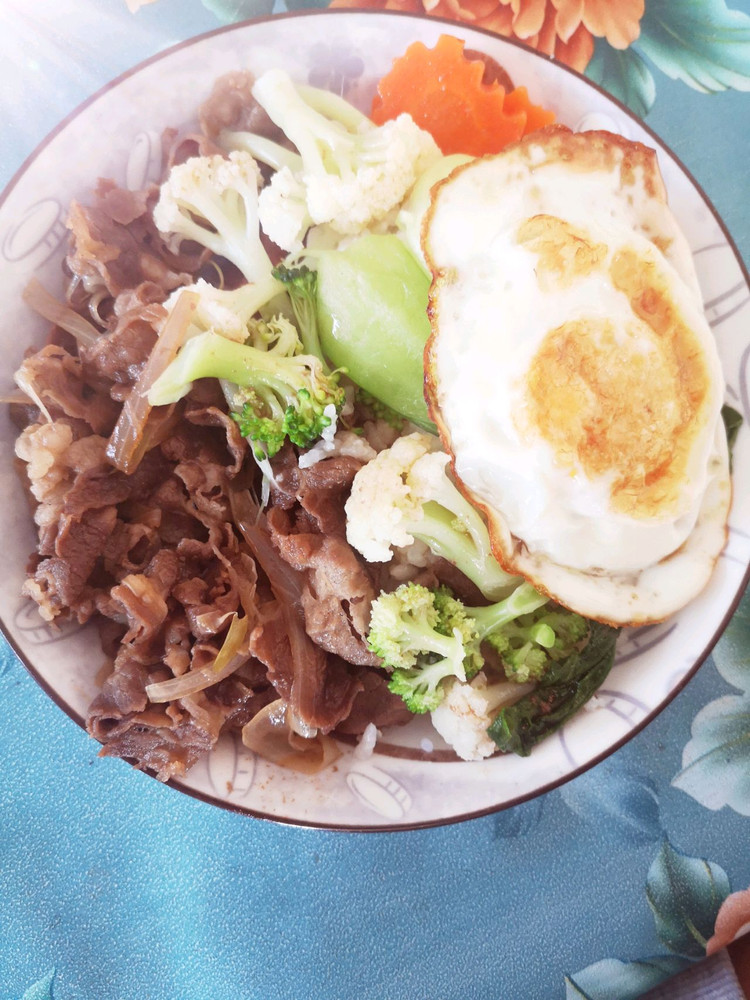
[(732, 918), (564, 29)]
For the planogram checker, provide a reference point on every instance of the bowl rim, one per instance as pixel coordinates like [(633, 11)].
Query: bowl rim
[(456, 26)]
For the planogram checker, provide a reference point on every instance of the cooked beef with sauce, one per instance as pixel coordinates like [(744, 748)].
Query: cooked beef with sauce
[(165, 557)]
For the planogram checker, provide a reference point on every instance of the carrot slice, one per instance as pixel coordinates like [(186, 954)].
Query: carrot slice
[(536, 117), (442, 90)]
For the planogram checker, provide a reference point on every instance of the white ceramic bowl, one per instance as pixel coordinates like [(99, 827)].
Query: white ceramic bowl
[(409, 781)]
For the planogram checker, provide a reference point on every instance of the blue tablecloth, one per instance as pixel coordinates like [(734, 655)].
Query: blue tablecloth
[(114, 887)]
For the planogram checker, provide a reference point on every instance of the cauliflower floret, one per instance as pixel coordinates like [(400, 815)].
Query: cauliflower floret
[(230, 312), (213, 200), (467, 711), (349, 174), (406, 493), (382, 506), (283, 212), (386, 162)]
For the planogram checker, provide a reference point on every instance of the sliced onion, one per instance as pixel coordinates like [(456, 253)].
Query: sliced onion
[(15, 399), (160, 424), (212, 622), (129, 442), (269, 735), (39, 299), (26, 385), (231, 656), (250, 521)]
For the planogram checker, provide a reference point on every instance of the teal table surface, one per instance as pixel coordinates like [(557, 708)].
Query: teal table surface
[(116, 887)]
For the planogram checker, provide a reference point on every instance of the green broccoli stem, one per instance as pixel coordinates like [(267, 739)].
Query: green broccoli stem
[(243, 303), (210, 355), (542, 634), (522, 601), (427, 640), (301, 284), (440, 530)]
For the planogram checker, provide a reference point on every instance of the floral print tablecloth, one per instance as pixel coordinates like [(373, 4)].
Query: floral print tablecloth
[(114, 887)]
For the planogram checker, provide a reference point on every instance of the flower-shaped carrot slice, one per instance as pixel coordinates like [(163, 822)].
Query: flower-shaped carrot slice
[(442, 90)]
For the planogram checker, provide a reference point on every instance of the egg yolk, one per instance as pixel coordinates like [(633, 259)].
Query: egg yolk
[(622, 398)]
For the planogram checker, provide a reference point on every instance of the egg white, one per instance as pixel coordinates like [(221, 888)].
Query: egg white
[(493, 305)]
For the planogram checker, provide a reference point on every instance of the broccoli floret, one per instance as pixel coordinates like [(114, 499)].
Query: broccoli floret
[(301, 286), (277, 395), (414, 627), (302, 420), (214, 201), (480, 717), (567, 684), (421, 687), (495, 620), (523, 661), (348, 172), (422, 640), (427, 635), (529, 644), (407, 624), (404, 493)]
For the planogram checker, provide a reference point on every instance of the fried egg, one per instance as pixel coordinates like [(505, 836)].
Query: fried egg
[(573, 376)]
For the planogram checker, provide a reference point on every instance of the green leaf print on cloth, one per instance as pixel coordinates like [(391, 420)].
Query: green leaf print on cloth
[(700, 42), (685, 895), (229, 11), (716, 760), (623, 74), (41, 990), (612, 979), (624, 806), (732, 652)]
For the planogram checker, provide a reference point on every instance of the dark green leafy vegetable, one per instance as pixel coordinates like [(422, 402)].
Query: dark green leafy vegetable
[(562, 691), (732, 422)]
